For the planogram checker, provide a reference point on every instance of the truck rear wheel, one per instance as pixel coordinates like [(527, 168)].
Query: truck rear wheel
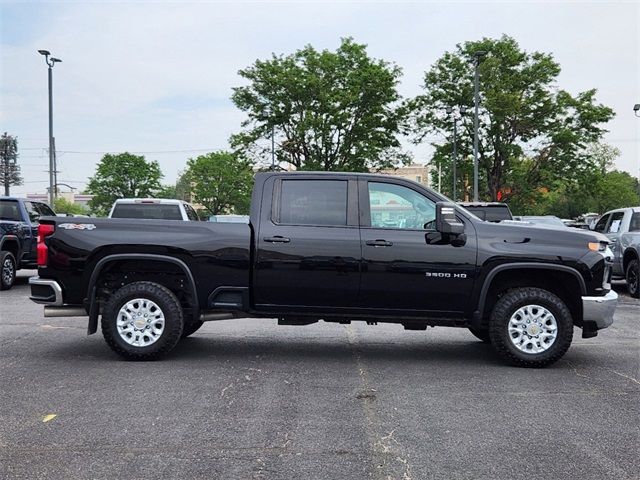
[(531, 327), (7, 270), (633, 278), (142, 321)]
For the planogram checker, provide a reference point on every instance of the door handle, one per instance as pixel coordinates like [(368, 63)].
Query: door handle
[(379, 243), (277, 239)]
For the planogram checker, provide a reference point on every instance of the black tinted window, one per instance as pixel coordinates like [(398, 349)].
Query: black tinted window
[(191, 213), (313, 202), (33, 213), (634, 225), (44, 210), (9, 211), (147, 210), (602, 223)]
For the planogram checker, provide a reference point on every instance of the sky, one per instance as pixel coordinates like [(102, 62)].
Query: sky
[(156, 77)]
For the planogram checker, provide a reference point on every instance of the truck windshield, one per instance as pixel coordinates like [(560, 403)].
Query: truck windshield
[(156, 211), (9, 210)]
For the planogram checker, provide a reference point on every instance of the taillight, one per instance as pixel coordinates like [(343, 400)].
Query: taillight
[(44, 230)]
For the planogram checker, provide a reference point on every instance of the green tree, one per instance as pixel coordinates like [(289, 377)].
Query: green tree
[(122, 175), (523, 116), (167, 191), (9, 168), (221, 182), (62, 205), (327, 110)]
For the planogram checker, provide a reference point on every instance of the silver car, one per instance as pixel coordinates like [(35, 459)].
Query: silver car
[(622, 226)]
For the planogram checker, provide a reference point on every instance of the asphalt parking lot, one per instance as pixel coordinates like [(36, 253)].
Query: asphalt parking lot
[(248, 399)]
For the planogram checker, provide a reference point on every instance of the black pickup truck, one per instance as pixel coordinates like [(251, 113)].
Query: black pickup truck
[(337, 247), (18, 232)]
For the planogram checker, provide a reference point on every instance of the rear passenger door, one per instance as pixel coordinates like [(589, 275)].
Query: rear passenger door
[(308, 245)]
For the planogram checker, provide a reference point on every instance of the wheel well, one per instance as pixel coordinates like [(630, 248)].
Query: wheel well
[(629, 255), (117, 273), (13, 247), (560, 283)]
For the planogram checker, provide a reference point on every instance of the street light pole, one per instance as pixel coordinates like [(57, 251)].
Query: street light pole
[(450, 111), (476, 81), (52, 164)]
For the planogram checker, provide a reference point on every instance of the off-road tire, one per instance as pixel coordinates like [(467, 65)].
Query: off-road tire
[(191, 328), (7, 277), (481, 334), (632, 275), (508, 304), (168, 303)]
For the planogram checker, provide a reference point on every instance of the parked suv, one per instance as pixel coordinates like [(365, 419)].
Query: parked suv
[(18, 233), (154, 209)]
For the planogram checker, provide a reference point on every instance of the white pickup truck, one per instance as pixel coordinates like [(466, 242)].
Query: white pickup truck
[(153, 208), (622, 226)]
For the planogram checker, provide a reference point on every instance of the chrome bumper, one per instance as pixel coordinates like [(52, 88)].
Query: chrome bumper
[(600, 310), (53, 299)]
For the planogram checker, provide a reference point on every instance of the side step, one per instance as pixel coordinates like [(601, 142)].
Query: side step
[(51, 311)]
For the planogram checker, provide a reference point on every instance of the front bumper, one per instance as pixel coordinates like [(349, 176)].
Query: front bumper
[(45, 291), (598, 311)]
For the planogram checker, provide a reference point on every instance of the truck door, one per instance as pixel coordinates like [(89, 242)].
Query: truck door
[(308, 244), (406, 265), (615, 228)]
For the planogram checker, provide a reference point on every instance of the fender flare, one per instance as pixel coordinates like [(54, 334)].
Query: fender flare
[(523, 265), (12, 238), (93, 305)]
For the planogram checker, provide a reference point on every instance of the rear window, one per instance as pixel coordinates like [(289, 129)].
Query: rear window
[(9, 211), (156, 211), (313, 202)]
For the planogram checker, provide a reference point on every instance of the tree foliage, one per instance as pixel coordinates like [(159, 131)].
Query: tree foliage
[(122, 175), (328, 110), (9, 168), (531, 133), (62, 205), (221, 182)]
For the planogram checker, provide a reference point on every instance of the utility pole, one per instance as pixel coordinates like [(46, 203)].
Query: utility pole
[(476, 99), (52, 162)]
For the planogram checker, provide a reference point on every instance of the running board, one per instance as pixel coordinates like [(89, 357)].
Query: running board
[(51, 311)]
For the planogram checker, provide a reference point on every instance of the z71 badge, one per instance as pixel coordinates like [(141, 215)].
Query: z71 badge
[(77, 226)]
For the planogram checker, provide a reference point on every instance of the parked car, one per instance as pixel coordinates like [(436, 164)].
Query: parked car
[(622, 226), (153, 208), (335, 247), (489, 211), (18, 232)]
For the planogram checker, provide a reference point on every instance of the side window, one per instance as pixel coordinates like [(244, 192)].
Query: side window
[(191, 213), (395, 206), (602, 223), (313, 202), (33, 213), (44, 210), (634, 225), (616, 220)]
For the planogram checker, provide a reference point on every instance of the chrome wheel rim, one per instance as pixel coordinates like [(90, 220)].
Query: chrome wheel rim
[(140, 322), (533, 329), (8, 271)]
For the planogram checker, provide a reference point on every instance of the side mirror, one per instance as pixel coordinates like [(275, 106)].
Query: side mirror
[(446, 220)]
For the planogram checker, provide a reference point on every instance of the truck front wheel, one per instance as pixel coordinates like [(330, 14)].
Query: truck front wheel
[(531, 327), (7, 270), (142, 321)]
